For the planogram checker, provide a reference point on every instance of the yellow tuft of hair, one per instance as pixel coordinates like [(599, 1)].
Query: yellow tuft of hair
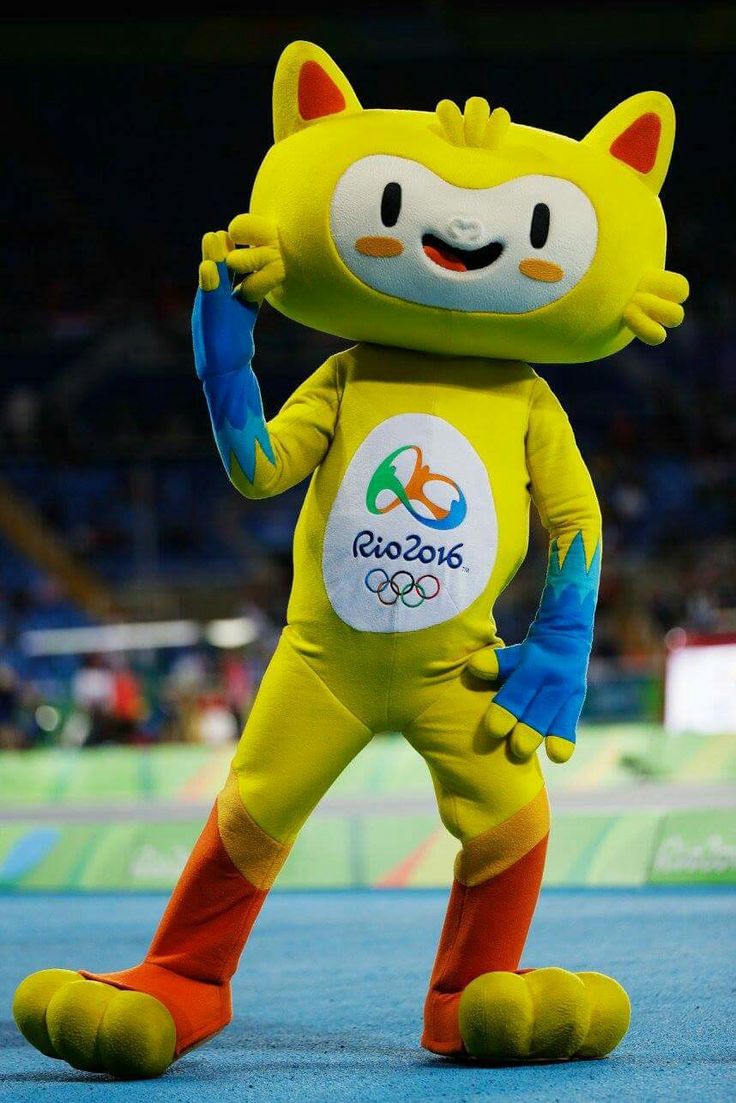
[(477, 127)]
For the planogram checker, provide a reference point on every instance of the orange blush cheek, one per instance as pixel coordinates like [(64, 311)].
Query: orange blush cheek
[(379, 246), (542, 270)]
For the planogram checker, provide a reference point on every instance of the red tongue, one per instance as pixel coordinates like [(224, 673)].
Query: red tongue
[(445, 259)]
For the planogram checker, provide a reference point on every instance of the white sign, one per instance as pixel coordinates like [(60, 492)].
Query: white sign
[(700, 690), (412, 535)]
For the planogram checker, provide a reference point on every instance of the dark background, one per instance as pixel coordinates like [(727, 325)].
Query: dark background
[(126, 138)]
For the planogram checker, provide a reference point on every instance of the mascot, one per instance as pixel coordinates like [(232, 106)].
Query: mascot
[(452, 247)]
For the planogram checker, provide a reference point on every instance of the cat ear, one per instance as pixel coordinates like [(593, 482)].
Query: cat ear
[(640, 133), (307, 87)]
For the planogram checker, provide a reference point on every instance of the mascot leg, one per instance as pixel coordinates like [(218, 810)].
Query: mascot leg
[(479, 1004), (133, 1023)]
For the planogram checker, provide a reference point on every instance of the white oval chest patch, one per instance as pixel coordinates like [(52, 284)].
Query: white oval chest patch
[(412, 535)]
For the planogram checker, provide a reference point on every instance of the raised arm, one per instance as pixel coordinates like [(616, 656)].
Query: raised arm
[(544, 678), (260, 459)]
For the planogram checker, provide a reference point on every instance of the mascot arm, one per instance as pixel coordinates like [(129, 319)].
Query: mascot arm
[(543, 679), (261, 459)]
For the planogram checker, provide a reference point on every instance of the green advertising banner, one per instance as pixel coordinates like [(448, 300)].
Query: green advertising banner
[(634, 848), (695, 847), (632, 807)]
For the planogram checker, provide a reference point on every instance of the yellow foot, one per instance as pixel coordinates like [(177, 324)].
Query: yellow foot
[(546, 1014), (93, 1026)]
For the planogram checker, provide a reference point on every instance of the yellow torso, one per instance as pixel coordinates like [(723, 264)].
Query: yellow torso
[(466, 420)]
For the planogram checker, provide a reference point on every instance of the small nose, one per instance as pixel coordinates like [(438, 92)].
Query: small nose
[(466, 231)]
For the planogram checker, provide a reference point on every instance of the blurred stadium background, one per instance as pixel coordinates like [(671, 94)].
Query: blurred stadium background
[(140, 598)]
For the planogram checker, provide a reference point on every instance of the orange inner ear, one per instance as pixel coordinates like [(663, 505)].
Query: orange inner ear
[(318, 93), (637, 145)]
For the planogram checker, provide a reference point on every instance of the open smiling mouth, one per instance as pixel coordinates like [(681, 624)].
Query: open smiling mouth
[(460, 260)]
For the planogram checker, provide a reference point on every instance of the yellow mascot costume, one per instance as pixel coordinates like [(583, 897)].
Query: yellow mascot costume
[(452, 247)]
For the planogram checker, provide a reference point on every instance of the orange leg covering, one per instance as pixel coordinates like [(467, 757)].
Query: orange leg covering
[(199, 940), (484, 931)]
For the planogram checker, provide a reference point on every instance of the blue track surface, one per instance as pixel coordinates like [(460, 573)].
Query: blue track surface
[(328, 999)]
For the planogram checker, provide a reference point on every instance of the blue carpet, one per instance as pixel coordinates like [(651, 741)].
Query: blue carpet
[(328, 999)]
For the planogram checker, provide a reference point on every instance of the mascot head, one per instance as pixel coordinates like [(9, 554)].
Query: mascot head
[(460, 232)]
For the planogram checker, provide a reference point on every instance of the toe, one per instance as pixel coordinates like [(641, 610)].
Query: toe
[(561, 1012), (137, 1036), (73, 1017), (610, 1015), (31, 1001), (496, 1017)]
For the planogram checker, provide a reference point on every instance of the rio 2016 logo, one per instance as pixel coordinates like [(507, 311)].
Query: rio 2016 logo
[(412, 492), (411, 536)]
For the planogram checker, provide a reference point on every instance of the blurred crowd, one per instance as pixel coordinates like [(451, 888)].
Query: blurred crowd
[(199, 696)]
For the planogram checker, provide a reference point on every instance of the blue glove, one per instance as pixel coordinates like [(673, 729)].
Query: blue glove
[(543, 679), (222, 330)]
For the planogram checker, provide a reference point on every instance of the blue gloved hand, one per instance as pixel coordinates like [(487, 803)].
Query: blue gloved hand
[(223, 319), (543, 679), (222, 329)]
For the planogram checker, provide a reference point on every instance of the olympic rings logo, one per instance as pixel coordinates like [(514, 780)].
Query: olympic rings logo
[(401, 586)]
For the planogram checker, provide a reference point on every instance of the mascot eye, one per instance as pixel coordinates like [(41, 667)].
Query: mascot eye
[(391, 204), (540, 226)]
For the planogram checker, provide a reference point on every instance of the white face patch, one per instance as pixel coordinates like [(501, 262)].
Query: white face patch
[(412, 535), (462, 247)]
